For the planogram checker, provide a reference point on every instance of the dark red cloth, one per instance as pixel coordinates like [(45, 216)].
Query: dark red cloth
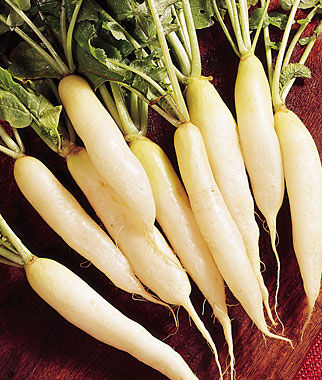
[(37, 343)]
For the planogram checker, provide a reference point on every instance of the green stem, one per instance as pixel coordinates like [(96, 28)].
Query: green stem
[(135, 113), (63, 27), (224, 28), (181, 78), (277, 101), (260, 25), (127, 126), (233, 14), (69, 38), (9, 152), (10, 257), (180, 53), (7, 232), (245, 23), (63, 68), (175, 122), (183, 114), (302, 61), (297, 36), (109, 103), (8, 140), (195, 52), (144, 112), (11, 263), (182, 31), (19, 140)]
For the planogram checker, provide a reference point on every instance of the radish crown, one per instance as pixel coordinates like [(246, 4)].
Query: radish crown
[(12, 251)]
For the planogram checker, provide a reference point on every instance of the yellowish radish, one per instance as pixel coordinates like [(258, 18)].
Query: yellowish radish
[(259, 143), (107, 148), (83, 307), (303, 175)]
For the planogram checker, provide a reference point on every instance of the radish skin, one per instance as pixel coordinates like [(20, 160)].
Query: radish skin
[(259, 143), (106, 147), (68, 219), (258, 140), (303, 175), (176, 219), (83, 307), (216, 224), (151, 258), (219, 132)]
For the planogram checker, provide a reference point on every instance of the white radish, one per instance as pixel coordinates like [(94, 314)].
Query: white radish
[(151, 258), (77, 302), (216, 224), (106, 147), (259, 142), (67, 218), (219, 132), (177, 221), (303, 175)]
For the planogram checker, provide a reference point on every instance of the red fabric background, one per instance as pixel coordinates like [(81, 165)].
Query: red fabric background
[(36, 343)]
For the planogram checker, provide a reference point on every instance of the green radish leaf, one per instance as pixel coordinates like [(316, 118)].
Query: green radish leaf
[(26, 63), (203, 13), (272, 18), (115, 29), (24, 5), (304, 4), (304, 41), (92, 61), (14, 20), (42, 114), (121, 9), (3, 28), (277, 19), (13, 111), (251, 3), (255, 18), (293, 70), (274, 45)]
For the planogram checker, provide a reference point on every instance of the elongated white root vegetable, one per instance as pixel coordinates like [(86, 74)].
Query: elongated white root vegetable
[(259, 142), (67, 218), (152, 259), (177, 221), (106, 147), (83, 307), (303, 175), (216, 224), (219, 132)]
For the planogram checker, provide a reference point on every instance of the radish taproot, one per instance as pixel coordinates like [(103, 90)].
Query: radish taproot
[(301, 161), (82, 306)]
